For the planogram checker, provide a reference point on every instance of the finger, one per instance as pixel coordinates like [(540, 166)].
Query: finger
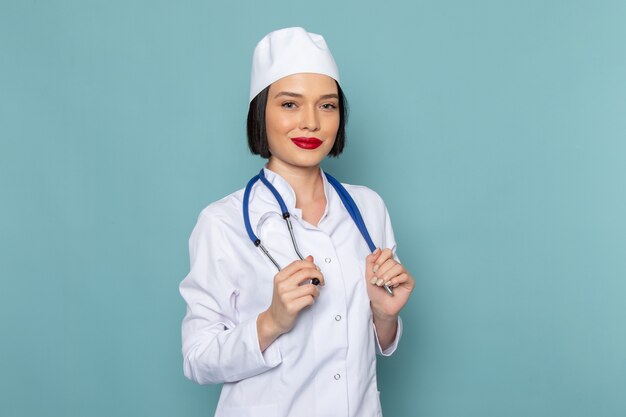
[(303, 275), (311, 259), (372, 257), (383, 269), (402, 279), (293, 267), (384, 256), (370, 260), (395, 270), (386, 266), (294, 297), (299, 303), (297, 278), (301, 291)]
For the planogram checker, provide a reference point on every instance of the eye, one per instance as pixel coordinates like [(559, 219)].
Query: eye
[(289, 105), (329, 106)]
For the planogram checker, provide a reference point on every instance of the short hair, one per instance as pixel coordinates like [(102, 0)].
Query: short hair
[(257, 132)]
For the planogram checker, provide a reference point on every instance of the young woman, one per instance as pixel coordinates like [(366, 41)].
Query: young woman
[(294, 284)]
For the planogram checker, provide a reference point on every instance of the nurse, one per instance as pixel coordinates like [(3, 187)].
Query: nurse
[(281, 345)]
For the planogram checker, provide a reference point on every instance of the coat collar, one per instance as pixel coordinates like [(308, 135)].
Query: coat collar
[(269, 203)]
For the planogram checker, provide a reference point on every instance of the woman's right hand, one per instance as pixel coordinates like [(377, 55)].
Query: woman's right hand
[(291, 295)]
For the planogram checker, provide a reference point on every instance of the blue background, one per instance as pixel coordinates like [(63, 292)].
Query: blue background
[(495, 131)]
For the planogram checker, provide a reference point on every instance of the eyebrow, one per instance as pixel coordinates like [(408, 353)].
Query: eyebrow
[(290, 94)]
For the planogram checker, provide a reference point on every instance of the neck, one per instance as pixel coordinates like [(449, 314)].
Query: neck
[(306, 182)]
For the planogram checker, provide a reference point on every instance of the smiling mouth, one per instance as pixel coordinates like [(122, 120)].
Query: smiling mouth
[(307, 143)]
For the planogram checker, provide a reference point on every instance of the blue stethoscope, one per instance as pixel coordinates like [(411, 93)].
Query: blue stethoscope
[(345, 197)]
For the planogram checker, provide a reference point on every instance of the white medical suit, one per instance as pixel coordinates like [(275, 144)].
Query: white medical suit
[(326, 365)]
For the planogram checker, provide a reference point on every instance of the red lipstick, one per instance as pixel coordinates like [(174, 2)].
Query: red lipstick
[(307, 143)]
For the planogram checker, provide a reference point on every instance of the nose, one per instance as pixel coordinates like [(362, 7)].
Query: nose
[(309, 120)]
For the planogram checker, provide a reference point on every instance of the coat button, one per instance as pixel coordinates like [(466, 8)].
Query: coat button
[(327, 260), (337, 317), (337, 376)]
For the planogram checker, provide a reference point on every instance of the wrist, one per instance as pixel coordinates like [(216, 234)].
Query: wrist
[(383, 318), (267, 326)]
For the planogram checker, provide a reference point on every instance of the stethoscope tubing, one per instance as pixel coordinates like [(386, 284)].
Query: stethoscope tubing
[(345, 197)]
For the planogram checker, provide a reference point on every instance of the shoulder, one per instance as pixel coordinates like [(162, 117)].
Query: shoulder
[(369, 202), (374, 213), (224, 213), (364, 196), (219, 230)]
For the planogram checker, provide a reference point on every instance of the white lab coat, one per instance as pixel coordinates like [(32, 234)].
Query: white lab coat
[(326, 365)]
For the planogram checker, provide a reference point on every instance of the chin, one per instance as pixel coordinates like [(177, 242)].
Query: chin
[(307, 162), (302, 158)]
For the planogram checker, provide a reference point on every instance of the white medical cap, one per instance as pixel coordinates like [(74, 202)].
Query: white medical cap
[(289, 51)]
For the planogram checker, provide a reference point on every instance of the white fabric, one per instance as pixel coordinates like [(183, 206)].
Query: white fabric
[(326, 365), (289, 51)]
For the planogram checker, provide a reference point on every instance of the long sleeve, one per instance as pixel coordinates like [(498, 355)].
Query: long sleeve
[(217, 347), (394, 345)]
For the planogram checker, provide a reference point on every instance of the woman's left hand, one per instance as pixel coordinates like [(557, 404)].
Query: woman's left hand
[(381, 268)]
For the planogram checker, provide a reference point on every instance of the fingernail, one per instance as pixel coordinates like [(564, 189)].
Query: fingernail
[(377, 250), (375, 269), (379, 282), (373, 281)]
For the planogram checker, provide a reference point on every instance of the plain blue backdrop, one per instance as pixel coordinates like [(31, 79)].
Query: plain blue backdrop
[(494, 130)]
